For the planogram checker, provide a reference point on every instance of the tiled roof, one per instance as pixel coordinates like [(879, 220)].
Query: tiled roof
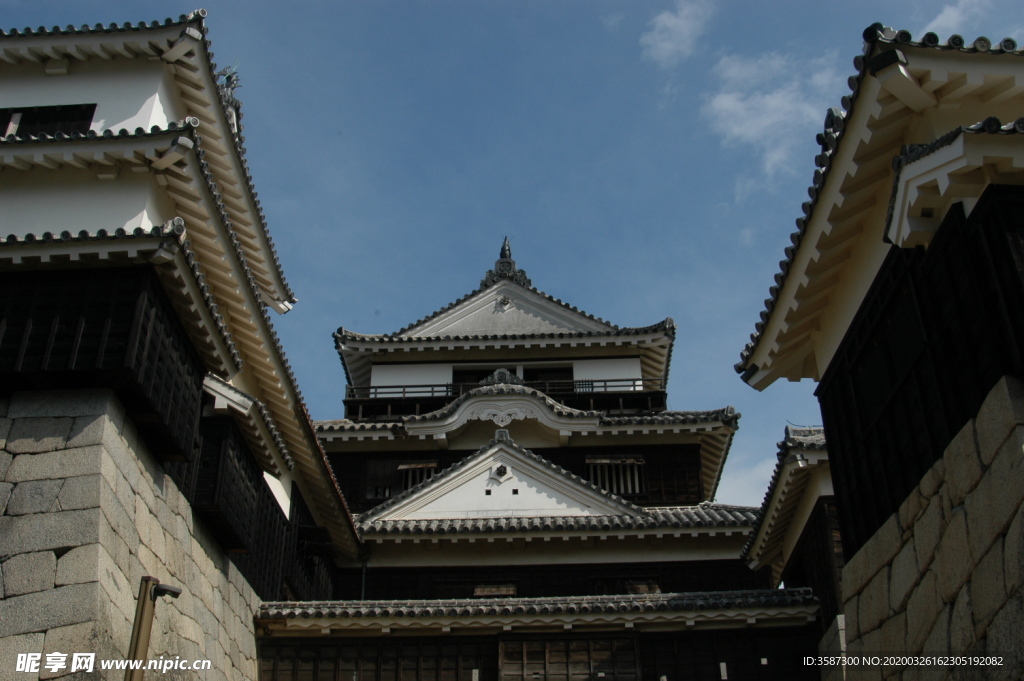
[(268, 420), (225, 98), (726, 415), (915, 152), (512, 274), (668, 327), (830, 138), (671, 602), (802, 438), (506, 441), (104, 28), (155, 131), (673, 517)]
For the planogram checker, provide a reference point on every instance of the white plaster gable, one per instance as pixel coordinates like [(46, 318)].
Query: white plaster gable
[(508, 308), (504, 481)]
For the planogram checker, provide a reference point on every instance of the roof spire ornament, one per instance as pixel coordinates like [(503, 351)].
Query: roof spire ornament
[(505, 268)]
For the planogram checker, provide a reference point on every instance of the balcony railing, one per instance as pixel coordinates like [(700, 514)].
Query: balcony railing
[(614, 395), (562, 387)]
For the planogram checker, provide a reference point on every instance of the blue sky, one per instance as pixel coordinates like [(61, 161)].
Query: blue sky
[(646, 158)]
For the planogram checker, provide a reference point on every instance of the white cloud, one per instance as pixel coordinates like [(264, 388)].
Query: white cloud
[(954, 18), (672, 35), (770, 105), (612, 21), (745, 485)]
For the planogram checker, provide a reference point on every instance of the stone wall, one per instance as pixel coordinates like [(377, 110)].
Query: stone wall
[(943, 575), (85, 512)]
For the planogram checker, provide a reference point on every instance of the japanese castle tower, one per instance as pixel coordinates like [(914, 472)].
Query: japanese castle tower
[(530, 509)]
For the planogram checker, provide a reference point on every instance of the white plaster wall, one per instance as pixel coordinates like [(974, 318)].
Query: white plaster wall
[(40, 201), (410, 374), (604, 369), (532, 498), (127, 94)]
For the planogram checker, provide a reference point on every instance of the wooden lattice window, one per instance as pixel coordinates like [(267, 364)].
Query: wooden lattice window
[(415, 473), (623, 476), (46, 120)]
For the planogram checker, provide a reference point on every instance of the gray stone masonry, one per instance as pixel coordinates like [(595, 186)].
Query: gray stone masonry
[(85, 513), (29, 572), (944, 574)]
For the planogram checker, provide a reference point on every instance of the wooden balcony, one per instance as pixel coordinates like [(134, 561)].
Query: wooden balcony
[(613, 395)]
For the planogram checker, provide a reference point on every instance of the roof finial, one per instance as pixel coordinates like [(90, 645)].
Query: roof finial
[(505, 268)]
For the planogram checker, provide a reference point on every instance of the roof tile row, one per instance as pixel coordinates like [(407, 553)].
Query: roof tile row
[(672, 602)]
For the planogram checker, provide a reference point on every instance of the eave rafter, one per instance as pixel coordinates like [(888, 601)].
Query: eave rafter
[(905, 92)]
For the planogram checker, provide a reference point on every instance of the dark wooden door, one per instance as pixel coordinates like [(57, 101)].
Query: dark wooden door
[(570, 660)]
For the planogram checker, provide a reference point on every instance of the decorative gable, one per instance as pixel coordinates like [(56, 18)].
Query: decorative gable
[(502, 480), (508, 308)]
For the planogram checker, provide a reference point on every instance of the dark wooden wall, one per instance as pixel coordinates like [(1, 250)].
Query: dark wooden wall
[(774, 654), (936, 331), (817, 561), (551, 580)]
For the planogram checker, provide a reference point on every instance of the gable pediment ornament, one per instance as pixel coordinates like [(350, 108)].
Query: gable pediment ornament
[(502, 416), (502, 376), (505, 268)]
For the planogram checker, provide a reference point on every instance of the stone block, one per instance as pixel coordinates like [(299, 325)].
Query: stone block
[(1004, 633), (79, 565), (894, 633), (76, 638), (89, 430), (932, 480), (993, 504), (119, 591), (938, 639), (922, 609), (29, 572), (998, 495), (9, 649), (877, 552), (874, 602), (953, 560), (1013, 553), (47, 531), (49, 609), (1000, 413), (963, 466), (903, 575), (34, 496), (909, 510), (5, 495), (126, 496), (5, 463), (119, 519), (35, 435), (5, 429), (119, 628), (988, 588), (66, 463), (928, 531), (82, 491), (961, 625)]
